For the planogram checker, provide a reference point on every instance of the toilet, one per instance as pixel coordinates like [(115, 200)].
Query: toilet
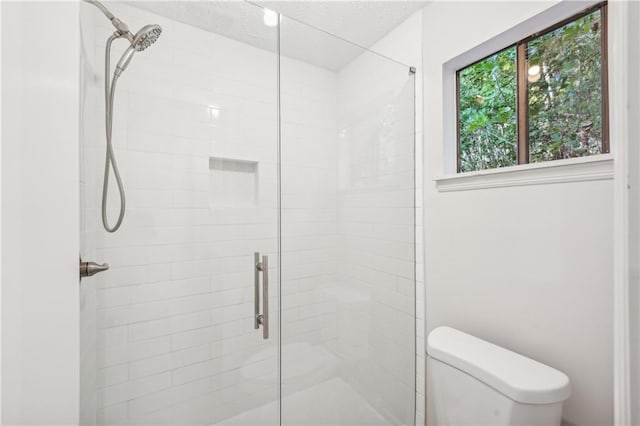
[(474, 382)]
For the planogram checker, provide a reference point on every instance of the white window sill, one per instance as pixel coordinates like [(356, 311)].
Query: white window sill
[(598, 167)]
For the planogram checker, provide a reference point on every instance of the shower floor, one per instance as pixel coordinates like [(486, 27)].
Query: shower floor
[(330, 403)]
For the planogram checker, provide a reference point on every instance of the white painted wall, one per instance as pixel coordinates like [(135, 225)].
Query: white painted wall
[(0, 229), (634, 208), (40, 212), (526, 267), (624, 127)]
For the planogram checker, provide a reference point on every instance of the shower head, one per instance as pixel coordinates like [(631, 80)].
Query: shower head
[(144, 38)]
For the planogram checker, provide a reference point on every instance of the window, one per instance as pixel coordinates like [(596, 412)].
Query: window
[(542, 99)]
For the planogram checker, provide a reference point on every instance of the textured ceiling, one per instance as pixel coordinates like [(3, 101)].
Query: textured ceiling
[(360, 22)]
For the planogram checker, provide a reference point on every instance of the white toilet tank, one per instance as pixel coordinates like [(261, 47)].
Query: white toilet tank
[(474, 382)]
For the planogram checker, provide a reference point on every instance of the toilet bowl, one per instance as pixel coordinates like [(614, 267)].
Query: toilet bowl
[(474, 382)]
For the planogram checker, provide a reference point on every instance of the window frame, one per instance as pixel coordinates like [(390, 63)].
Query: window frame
[(522, 99)]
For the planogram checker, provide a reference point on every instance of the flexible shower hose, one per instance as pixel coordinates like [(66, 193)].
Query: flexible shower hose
[(110, 159)]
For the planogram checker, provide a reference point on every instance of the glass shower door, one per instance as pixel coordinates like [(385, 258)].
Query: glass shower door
[(247, 142), (169, 332), (348, 233)]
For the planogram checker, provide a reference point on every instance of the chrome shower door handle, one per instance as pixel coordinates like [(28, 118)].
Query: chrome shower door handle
[(265, 297), (256, 290), (261, 319)]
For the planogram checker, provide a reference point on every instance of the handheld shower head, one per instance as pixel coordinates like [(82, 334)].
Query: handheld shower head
[(140, 41), (144, 38)]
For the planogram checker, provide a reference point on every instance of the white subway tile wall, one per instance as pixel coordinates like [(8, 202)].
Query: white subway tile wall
[(376, 223), (174, 333), (309, 236), (168, 333)]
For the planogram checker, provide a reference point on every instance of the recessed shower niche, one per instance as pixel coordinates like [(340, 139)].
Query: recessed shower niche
[(233, 182)]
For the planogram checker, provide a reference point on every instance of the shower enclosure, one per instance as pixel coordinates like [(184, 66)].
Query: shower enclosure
[(269, 174)]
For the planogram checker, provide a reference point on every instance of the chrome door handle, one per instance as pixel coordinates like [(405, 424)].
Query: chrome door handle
[(256, 290), (261, 319), (265, 297), (88, 269)]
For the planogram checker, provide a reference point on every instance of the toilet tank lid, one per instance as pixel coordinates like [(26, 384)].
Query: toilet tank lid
[(518, 377)]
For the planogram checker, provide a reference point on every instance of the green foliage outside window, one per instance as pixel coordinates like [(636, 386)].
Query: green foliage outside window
[(565, 108), (487, 106), (564, 99)]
